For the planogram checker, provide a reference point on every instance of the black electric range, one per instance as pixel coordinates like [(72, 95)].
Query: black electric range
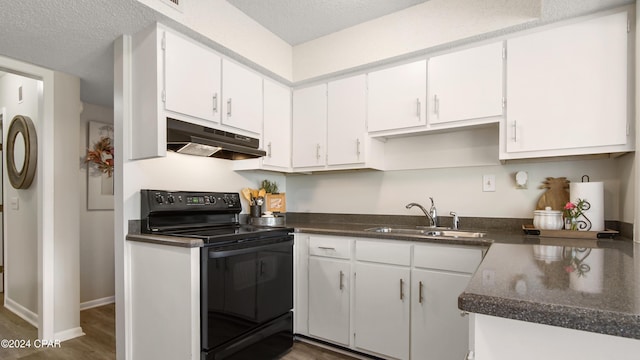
[(246, 272)]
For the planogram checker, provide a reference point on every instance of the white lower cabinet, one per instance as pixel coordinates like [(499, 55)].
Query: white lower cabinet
[(329, 299), (439, 275), (392, 299), (330, 288), (438, 331), (382, 309)]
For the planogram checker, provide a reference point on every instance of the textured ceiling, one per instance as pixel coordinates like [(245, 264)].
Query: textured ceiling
[(72, 36), (296, 21)]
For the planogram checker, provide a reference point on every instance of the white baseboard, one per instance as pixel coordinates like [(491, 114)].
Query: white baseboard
[(97, 302), (68, 334), (26, 314)]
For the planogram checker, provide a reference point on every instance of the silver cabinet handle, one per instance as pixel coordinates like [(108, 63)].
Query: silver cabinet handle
[(215, 102), (420, 286), (436, 105), (318, 151), (515, 131), (470, 355), (326, 248), (229, 107), (401, 289), (341, 280), (418, 108), (269, 149), (358, 147)]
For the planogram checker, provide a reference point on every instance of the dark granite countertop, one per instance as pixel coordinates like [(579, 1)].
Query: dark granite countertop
[(165, 240), (522, 277), (593, 287)]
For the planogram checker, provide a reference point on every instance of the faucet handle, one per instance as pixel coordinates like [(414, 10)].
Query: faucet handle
[(456, 220), (432, 203)]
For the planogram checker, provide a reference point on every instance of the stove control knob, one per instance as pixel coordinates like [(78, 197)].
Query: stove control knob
[(212, 199), (171, 199), (159, 199)]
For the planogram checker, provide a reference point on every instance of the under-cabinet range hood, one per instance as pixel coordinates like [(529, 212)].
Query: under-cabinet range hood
[(192, 139)]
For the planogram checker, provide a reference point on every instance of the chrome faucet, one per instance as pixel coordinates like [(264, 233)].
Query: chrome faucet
[(432, 213), (456, 220)]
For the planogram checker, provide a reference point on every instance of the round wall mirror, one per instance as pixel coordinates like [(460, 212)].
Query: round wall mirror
[(18, 152), (22, 152)]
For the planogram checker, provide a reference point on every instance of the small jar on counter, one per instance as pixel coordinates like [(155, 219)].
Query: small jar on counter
[(548, 219)]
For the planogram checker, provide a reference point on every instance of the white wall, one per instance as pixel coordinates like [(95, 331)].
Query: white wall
[(190, 173), (454, 189), (408, 31), (21, 231), (97, 277), (66, 212), (46, 218)]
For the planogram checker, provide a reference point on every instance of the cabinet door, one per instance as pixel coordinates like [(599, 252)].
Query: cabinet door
[(382, 296), (242, 106), (277, 125), (329, 299), (438, 331), (465, 85), (567, 86), (346, 124), (191, 78), (397, 97), (309, 126)]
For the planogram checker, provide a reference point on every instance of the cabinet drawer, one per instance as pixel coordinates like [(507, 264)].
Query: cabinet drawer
[(383, 252), (451, 258), (334, 247)]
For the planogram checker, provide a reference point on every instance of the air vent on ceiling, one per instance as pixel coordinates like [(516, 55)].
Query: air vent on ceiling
[(176, 4)]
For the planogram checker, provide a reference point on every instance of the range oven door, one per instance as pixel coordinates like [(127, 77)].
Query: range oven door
[(244, 289)]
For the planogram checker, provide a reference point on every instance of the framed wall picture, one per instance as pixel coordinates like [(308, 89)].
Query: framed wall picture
[(100, 166), (276, 203)]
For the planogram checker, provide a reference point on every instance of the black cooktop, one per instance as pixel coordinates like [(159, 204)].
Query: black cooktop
[(230, 234), (210, 216)]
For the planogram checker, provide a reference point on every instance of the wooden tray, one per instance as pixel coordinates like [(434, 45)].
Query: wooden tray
[(570, 234)]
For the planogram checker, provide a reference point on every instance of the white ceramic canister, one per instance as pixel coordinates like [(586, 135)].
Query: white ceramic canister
[(548, 219)]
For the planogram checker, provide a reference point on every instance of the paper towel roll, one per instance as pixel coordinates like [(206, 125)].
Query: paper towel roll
[(593, 192)]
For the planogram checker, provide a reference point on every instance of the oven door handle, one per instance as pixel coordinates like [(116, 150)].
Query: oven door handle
[(214, 254)]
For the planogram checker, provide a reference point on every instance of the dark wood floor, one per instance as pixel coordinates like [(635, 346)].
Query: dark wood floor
[(99, 342)]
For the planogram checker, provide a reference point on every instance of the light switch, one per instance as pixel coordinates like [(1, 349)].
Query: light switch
[(15, 203), (488, 183)]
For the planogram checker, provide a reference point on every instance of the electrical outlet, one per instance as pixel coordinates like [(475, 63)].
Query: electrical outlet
[(15, 203), (488, 183)]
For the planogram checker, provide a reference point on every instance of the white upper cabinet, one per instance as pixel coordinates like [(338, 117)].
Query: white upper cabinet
[(277, 125), (242, 105), (397, 97), (567, 90), (192, 78), (346, 122), (309, 126), (176, 77), (329, 127), (465, 85)]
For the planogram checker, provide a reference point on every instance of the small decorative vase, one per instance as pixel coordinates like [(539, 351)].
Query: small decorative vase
[(570, 224)]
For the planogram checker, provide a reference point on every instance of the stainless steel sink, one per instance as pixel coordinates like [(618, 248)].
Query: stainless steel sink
[(455, 233), (428, 232)]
